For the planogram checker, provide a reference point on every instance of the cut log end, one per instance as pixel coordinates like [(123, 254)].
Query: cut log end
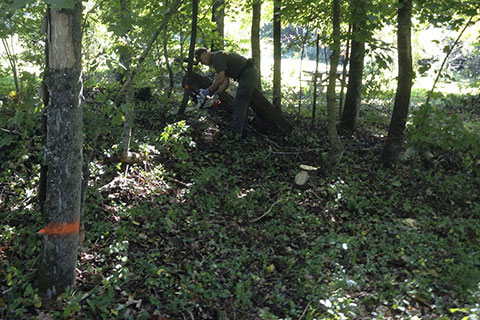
[(301, 178)]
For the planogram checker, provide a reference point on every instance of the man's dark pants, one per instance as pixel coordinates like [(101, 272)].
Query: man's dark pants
[(247, 83)]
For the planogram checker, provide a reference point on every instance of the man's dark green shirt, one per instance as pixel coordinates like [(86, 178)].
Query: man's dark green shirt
[(231, 63)]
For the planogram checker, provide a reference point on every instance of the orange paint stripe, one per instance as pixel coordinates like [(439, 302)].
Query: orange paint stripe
[(61, 228)]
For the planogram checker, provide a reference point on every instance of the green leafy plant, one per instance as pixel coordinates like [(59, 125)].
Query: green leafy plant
[(437, 128), (175, 139)]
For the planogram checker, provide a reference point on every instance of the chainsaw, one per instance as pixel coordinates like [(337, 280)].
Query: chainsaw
[(203, 102)]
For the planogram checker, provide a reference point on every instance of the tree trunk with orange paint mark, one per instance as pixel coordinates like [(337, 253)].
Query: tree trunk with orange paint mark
[(63, 151)]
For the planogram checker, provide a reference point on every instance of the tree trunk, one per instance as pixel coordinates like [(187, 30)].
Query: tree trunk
[(272, 119), (255, 34), (169, 67), (336, 147), (315, 77), (344, 71), (125, 60), (302, 54), (173, 9), (191, 51), (395, 137), (13, 63), (277, 55), (63, 155), (218, 16), (353, 97)]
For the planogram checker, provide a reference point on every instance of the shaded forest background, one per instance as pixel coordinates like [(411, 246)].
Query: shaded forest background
[(180, 222)]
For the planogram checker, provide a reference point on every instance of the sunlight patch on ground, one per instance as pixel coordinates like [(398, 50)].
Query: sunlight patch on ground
[(459, 87), (244, 193), (211, 132), (291, 69)]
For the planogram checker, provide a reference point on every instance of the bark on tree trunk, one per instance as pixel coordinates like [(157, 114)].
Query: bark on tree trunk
[(63, 152), (218, 16), (255, 34), (277, 55), (354, 89), (169, 67), (142, 58), (346, 63), (125, 154), (13, 62), (125, 60), (315, 78), (336, 147), (272, 118), (395, 137), (191, 50), (302, 54)]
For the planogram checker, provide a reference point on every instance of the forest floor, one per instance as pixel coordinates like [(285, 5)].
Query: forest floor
[(209, 228)]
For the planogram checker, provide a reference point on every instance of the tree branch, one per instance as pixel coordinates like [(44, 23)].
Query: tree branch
[(89, 11), (267, 212), (445, 59), (162, 26)]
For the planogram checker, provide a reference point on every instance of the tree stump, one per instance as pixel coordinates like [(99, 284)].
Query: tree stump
[(304, 175)]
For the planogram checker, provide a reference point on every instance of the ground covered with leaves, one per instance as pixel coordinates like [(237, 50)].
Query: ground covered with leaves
[(209, 228)]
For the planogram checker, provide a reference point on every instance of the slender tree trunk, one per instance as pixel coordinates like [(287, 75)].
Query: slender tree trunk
[(315, 78), (169, 67), (191, 51), (13, 63), (218, 16), (353, 97), (63, 154), (395, 137), (426, 108), (302, 54), (255, 34), (325, 55), (439, 73), (336, 147), (277, 55), (125, 60), (160, 29), (344, 71)]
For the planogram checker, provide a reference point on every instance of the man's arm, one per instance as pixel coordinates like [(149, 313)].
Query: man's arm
[(219, 82), (224, 85)]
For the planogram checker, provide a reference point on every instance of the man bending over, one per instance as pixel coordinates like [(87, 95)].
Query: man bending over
[(231, 66)]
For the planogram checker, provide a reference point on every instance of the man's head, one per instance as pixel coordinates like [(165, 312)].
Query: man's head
[(202, 55)]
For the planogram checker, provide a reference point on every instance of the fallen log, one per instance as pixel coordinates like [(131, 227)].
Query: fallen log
[(272, 120)]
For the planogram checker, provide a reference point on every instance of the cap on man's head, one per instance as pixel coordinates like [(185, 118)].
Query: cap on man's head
[(198, 53)]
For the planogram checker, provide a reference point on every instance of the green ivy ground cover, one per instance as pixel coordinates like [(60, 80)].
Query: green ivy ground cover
[(213, 229)]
